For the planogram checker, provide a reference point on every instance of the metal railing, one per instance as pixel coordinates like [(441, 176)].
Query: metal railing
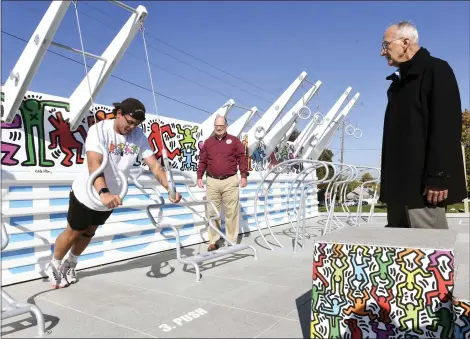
[(12, 308), (336, 192), (197, 259)]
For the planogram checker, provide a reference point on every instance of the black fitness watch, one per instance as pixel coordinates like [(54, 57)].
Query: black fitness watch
[(103, 190)]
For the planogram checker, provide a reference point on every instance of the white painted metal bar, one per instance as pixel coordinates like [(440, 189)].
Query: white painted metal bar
[(274, 136), (77, 51), (317, 131), (263, 126), (80, 100), (23, 72), (123, 5), (207, 127), (239, 125), (316, 147)]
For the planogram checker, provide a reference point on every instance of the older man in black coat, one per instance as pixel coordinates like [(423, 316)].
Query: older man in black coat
[(422, 162)]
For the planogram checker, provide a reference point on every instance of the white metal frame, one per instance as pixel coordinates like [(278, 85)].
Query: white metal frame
[(262, 126), (28, 63)]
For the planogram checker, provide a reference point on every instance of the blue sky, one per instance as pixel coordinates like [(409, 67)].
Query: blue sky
[(265, 43)]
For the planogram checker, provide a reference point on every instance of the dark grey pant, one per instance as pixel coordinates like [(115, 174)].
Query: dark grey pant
[(427, 217)]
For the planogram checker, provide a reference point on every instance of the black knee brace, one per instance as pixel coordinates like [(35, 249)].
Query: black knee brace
[(86, 235)]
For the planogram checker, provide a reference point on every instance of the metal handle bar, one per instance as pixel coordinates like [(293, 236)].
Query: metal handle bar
[(332, 192), (189, 203), (361, 195), (283, 166), (188, 186), (141, 187), (305, 172), (349, 178), (140, 171), (89, 185), (5, 238), (301, 208)]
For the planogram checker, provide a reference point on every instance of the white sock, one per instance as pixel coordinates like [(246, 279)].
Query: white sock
[(73, 258), (56, 262)]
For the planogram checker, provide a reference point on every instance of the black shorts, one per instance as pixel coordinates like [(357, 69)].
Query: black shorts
[(80, 217)]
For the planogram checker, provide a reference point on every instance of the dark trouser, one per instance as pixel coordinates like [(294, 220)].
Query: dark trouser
[(432, 217)]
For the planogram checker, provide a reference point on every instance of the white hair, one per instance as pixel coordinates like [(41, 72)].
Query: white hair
[(406, 29)]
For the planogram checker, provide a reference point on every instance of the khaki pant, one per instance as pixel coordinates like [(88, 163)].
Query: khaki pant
[(427, 217), (227, 192)]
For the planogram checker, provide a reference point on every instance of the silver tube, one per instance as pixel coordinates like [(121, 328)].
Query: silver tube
[(77, 51), (123, 5)]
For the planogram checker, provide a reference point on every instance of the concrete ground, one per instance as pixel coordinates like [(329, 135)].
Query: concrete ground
[(155, 296)]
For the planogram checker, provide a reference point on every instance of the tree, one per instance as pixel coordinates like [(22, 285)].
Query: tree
[(295, 134), (366, 177), (466, 142), (352, 186)]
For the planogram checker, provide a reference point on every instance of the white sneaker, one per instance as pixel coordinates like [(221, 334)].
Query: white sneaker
[(68, 269), (56, 277)]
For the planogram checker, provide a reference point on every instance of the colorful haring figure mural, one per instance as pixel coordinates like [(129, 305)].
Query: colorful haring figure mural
[(188, 147), (258, 156), (158, 143), (33, 110), (9, 150), (63, 138), (39, 136), (102, 113), (384, 292)]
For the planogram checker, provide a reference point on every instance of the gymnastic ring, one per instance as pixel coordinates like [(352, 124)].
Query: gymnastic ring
[(360, 133), (302, 111), (348, 129), (260, 133), (318, 118), (92, 195)]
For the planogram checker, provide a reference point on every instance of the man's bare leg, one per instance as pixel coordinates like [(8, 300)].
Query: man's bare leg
[(82, 242), (63, 244), (65, 241), (78, 247)]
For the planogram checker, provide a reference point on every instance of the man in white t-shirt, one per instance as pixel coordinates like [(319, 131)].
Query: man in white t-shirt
[(123, 142)]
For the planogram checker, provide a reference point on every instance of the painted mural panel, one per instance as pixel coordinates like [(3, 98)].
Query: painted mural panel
[(40, 137), (260, 161), (381, 292), (462, 319)]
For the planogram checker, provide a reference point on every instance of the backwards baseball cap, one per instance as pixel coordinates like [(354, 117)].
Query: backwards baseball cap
[(132, 107)]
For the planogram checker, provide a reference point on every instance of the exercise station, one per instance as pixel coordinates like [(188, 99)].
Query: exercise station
[(313, 258)]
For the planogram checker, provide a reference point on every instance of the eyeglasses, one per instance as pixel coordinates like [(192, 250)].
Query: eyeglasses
[(385, 44), (219, 126), (132, 123)]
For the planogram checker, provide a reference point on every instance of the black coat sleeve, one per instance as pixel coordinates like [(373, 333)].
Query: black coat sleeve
[(444, 126)]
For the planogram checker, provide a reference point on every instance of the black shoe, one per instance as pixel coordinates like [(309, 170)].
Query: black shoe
[(212, 247)]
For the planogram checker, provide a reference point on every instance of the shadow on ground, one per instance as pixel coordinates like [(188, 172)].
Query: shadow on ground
[(303, 304)]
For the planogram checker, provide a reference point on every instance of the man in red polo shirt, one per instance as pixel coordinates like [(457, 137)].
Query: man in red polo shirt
[(221, 154)]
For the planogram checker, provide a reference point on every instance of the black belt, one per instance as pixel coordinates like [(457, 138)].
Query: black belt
[(222, 177)]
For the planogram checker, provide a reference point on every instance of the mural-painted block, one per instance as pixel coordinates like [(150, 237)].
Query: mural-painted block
[(381, 292)]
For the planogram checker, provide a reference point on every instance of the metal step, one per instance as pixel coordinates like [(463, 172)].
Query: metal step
[(199, 258), (215, 254)]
